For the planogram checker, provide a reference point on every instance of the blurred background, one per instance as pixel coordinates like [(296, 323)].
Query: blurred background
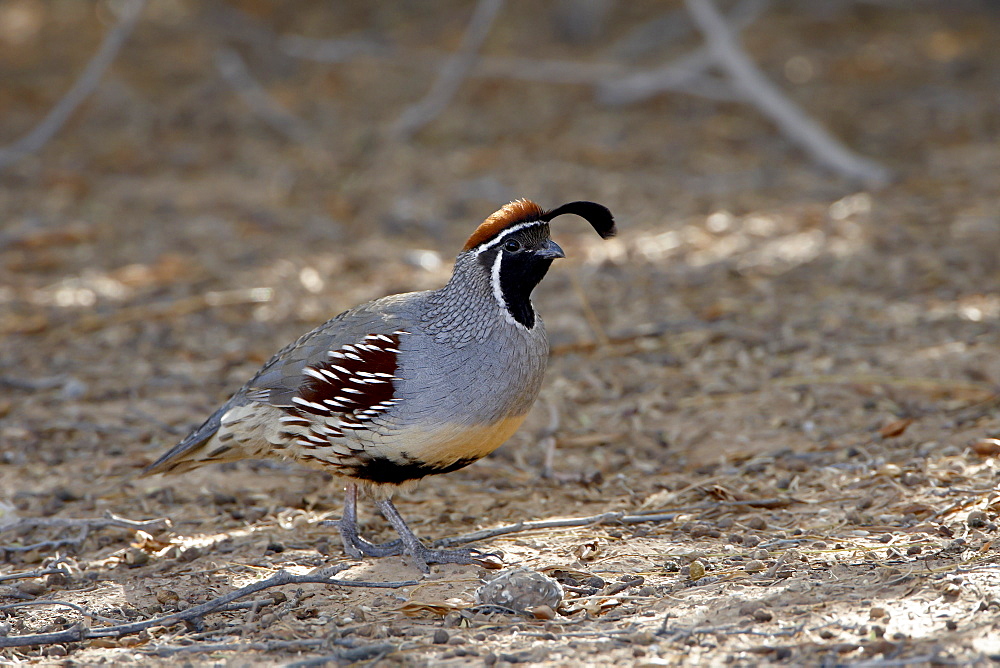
[(804, 290)]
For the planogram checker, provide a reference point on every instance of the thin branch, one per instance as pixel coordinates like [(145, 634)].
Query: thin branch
[(79, 91), (331, 50), (80, 632), (452, 73), (234, 70), (769, 99), (617, 517), (593, 520), (33, 574), (109, 520), (683, 74), (547, 443)]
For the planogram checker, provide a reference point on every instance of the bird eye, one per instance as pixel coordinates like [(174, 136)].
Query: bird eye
[(512, 246)]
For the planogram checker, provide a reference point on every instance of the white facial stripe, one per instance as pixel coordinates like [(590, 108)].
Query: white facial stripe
[(498, 291), (500, 237)]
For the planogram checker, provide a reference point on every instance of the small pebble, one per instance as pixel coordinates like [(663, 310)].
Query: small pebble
[(751, 540), (951, 624), (643, 638), (454, 640), (31, 587), (56, 579), (762, 615), (705, 531), (913, 549), (877, 613), (754, 566), (135, 557), (977, 519), (671, 566), (697, 570), (440, 637), (543, 612), (757, 523), (55, 650)]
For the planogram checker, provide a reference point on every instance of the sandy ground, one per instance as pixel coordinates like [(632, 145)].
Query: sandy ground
[(797, 377)]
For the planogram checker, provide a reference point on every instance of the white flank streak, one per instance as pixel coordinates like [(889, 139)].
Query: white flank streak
[(336, 355), (309, 371), (341, 369), (351, 390), (293, 419), (382, 337), (302, 402), (352, 356)]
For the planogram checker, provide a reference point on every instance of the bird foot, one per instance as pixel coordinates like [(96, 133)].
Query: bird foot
[(357, 547), (423, 555)]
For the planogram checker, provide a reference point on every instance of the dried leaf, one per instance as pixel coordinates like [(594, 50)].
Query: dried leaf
[(918, 509), (587, 551), (422, 609), (895, 428), (986, 447)]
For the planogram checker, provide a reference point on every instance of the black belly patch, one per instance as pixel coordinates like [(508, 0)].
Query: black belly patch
[(390, 472)]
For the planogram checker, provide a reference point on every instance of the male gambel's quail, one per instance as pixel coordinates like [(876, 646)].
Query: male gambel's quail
[(405, 386)]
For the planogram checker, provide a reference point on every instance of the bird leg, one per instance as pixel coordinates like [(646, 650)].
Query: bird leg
[(422, 554), (354, 545)]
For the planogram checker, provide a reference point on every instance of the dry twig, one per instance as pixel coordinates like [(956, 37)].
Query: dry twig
[(79, 632), (79, 91), (232, 68), (686, 74), (768, 98), (33, 574), (85, 525), (593, 520), (452, 73)]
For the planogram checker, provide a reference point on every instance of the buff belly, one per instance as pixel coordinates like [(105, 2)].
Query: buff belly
[(393, 458)]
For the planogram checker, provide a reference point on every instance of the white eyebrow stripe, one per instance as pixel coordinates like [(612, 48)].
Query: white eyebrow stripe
[(510, 230)]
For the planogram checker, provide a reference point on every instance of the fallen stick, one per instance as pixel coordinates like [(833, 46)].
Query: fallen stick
[(80, 632), (79, 91), (452, 73), (768, 98)]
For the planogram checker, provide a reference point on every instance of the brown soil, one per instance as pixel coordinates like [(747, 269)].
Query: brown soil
[(802, 375)]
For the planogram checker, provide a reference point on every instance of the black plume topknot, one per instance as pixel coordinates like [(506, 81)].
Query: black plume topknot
[(597, 215)]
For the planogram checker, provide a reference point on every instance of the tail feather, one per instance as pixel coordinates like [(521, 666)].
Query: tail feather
[(189, 453)]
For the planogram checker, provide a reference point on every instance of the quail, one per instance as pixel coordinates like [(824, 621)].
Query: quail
[(405, 386)]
